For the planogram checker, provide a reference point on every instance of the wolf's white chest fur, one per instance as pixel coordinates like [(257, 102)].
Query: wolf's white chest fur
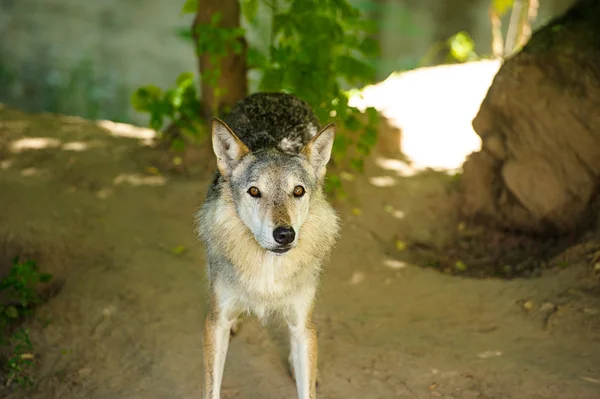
[(272, 286), (269, 278)]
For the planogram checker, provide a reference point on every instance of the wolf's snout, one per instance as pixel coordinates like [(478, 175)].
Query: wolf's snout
[(284, 235)]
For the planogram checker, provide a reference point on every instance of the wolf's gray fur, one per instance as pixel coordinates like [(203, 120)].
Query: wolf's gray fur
[(273, 120), (271, 162)]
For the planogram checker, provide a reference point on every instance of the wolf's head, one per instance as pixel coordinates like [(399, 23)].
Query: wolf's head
[(272, 191)]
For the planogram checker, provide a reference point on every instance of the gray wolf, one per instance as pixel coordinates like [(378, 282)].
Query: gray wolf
[(267, 228)]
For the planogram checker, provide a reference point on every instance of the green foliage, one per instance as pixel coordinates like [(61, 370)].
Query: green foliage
[(462, 47), (317, 48), (178, 105), (18, 298), (21, 361), (190, 7)]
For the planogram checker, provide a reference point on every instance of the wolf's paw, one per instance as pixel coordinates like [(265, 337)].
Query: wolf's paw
[(235, 327)]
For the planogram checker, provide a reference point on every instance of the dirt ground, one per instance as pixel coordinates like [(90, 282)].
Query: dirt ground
[(86, 202)]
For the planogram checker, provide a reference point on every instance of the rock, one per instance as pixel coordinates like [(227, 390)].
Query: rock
[(540, 128)]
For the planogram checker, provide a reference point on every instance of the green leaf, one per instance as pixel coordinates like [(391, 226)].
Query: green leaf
[(256, 59), (372, 115), (190, 7), (249, 9), (502, 6), (11, 312), (236, 47), (352, 123), (272, 79), (156, 121), (460, 266), (178, 145), (144, 97), (462, 46), (357, 164), (178, 250), (363, 148), (353, 69), (369, 47), (185, 78), (45, 277), (185, 33)]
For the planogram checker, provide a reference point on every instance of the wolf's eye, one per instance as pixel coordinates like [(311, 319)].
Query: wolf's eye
[(254, 192), (299, 191)]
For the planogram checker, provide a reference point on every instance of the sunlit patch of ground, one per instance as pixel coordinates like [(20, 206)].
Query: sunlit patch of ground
[(434, 108), (117, 129)]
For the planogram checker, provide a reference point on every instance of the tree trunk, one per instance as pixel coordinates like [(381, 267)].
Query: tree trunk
[(539, 167), (233, 81)]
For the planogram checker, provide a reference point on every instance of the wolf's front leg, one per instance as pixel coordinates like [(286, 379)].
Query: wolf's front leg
[(217, 328), (303, 353)]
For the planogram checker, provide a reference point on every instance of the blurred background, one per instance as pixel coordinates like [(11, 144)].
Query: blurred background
[(87, 58)]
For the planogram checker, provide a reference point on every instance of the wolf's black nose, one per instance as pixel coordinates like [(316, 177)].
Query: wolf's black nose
[(284, 235)]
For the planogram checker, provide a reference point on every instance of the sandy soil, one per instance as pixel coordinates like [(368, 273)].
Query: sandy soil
[(127, 321)]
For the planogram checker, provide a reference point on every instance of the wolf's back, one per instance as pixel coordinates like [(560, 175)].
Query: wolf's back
[(273, 120)]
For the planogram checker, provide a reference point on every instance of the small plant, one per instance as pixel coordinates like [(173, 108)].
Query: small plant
[(178, 106), (20, 363), (18, 297)]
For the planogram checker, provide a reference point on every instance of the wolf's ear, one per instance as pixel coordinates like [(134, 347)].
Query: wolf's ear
[(228, 148), (318, 149)]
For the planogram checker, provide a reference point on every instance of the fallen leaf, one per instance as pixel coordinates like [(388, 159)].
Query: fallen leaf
[(400, 245), (459, 265), (178, 250)]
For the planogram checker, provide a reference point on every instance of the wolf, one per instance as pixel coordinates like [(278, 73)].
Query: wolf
[(267, 228)]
